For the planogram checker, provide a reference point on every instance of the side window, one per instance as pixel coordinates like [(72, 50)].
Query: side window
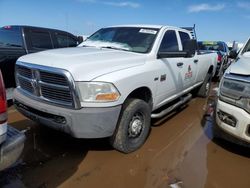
[(40, 40), (184, 38), (65, 41), (169, 42)]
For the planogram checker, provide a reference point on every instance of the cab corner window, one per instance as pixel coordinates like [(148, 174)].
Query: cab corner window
[(169, 42), (184, 38)]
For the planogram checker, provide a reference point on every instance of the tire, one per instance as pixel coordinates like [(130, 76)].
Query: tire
[(203, 90), (136, 113)]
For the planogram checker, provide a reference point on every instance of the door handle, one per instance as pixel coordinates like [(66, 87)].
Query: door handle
[(180, 64), (196, 60)]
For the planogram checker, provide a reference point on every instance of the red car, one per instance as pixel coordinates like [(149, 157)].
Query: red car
[(11, 140)]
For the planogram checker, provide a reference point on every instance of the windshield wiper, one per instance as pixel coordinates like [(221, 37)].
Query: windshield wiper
[(115, 48), (87, 46)]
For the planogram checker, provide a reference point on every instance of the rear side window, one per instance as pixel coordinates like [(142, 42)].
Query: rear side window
[(40, 40), (169, 42), (65, 41), (10, 39), (184, 38)]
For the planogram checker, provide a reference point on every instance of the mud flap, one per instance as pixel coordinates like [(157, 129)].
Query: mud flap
[(12, 148)]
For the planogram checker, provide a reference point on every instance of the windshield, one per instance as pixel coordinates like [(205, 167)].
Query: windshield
[(246, 48), (123, 38), (214, 46), (10, 39)]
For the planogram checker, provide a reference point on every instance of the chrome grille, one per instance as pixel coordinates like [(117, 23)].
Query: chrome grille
[(25, 84), (23, 71), (53, 78), (56, 94), (53, 87)]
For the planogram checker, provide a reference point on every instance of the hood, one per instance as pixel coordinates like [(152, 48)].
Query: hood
[(86, 63), (241, 66)]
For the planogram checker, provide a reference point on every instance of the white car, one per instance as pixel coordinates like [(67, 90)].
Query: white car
[(114, 82), (233, 105)]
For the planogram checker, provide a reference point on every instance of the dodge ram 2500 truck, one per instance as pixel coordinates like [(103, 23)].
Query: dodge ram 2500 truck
[(233, 104), (113, 83)]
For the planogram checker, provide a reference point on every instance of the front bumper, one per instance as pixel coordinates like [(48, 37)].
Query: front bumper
[(241, 130), (12, 148), (82, 123)]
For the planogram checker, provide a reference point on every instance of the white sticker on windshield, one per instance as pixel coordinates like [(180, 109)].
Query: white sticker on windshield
[(148, 31)]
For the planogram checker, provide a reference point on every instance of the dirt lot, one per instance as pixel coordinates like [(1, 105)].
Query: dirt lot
[(180, 149)]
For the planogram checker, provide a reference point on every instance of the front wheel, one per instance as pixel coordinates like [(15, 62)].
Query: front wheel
[(133, 126)]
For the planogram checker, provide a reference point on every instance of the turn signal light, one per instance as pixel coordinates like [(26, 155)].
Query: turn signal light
[(107, 97)]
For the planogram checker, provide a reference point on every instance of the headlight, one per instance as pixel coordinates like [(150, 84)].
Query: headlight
[(236, 93), (234, 89), (97, 92)]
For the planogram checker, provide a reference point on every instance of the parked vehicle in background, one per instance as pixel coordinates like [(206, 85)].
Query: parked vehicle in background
[(11, 140), (114, 82), (233, 105), (16, 41), (222, 50)]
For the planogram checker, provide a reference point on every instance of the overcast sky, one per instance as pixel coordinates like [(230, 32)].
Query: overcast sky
[(226, 20)]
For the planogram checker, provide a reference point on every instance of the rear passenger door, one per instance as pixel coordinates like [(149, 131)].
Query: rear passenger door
[(190, 64), (38, 40)]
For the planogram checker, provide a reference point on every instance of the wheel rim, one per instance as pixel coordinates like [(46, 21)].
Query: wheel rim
[(207, 87), (136, 125)]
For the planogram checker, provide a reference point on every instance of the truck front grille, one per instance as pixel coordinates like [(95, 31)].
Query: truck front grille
[(25, 84), (50, 86), (23, 71), (56, 94), (53, 78)]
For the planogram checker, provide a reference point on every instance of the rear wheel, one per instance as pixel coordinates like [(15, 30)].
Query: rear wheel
[(203, 90), (133, 126)]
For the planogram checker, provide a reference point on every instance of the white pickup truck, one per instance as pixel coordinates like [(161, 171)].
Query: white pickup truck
[(233, 105), (114, 82)]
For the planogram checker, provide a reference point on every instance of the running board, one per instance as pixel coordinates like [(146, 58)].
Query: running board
[(171, 108)]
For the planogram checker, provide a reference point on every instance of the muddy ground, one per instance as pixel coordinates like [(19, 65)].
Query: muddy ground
[(180, 148)]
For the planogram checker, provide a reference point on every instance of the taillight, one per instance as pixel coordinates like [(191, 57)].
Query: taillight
[(219, 58), (7, 27), (3, 102)]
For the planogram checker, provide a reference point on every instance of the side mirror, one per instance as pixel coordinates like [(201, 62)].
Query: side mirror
[(233, 54), (190, 46), (80, 39)]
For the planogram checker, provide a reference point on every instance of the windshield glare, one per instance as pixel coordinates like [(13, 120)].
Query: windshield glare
[(125, 38)]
